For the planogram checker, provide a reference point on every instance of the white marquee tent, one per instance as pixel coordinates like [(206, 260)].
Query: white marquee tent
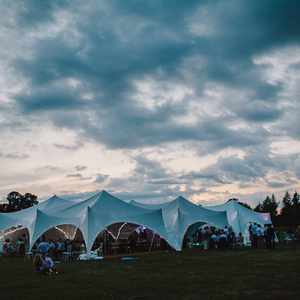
[(170, 220), (238, 216)]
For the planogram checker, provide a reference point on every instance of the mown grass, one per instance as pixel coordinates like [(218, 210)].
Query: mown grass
[(244, 274)]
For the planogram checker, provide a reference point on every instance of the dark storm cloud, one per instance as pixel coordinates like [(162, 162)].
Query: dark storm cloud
[(259, 111), (32, 12), (156, 38), (138, 128), (83, 77), (49, 99)]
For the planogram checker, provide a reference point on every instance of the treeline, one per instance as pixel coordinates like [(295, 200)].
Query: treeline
[(17, 201), (283, 213)]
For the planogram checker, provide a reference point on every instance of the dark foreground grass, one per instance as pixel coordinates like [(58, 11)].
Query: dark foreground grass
[(245, 274)]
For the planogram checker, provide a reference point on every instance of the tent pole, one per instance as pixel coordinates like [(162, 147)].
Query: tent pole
[(151, 244)]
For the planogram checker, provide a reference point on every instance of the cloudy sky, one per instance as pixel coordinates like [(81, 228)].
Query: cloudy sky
[(150, 99)]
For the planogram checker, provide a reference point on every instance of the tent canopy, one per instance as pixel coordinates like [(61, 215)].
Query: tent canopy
[(239, 216), (169, 220)]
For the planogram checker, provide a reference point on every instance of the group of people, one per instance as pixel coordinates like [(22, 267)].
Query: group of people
[(205, 237), (57, 248), (42, 261), (262, 237), (11, 248), (45, 253), (209, 237)]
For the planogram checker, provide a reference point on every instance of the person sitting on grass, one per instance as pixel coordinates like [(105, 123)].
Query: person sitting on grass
[(5, 247), (48, 265), (44, 264), (38, 262)]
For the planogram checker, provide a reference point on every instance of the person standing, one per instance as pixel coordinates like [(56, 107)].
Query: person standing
[(240, 240), (6, 247), (254, 229), (267, 236), (250, 231), (21, 247), (260, 236), (272, 236)]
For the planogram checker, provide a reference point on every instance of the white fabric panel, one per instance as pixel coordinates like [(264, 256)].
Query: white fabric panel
[(108, 209), (240, 216), (179, 214), (44, 222), (7, 221), (54, 204), (78, 209), (25, 218)]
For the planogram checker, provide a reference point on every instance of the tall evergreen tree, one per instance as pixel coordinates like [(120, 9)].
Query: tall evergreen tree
[(296, 208), (296, 200), (273, 206), (287, 201), (258, 207), (289, 210), (269, 205)]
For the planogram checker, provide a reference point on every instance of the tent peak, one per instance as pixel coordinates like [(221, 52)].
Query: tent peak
[(181, 198), (98, 196), (232, 200), (104, 193), (104, 196)]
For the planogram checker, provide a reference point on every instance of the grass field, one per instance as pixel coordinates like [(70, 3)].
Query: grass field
[(244, 274)]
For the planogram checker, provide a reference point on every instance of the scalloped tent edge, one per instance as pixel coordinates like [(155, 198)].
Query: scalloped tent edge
[(94, 214)]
